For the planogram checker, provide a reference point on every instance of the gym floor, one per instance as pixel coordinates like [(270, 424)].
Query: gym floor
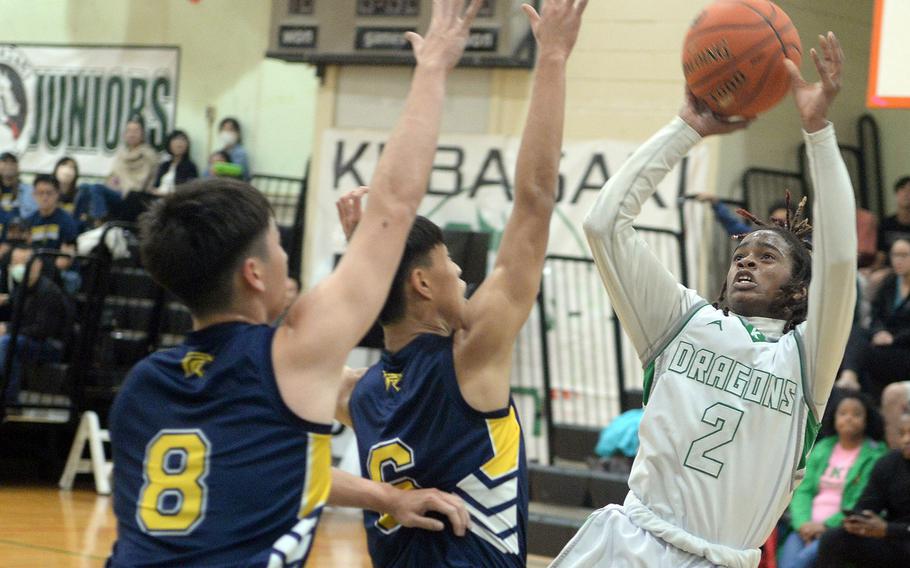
[(42, 526)]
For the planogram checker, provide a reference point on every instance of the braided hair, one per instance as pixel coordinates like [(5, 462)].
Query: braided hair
[(797, 231)]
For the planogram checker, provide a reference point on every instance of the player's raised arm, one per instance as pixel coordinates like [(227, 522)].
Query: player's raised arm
[(646, 297), (832, 291), (326, 323), (499, 308)]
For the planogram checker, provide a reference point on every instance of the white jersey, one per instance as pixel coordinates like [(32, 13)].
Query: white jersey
[(725, 413), (733, 404)]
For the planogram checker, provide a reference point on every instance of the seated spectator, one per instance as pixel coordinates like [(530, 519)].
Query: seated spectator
[(73, 200), (220, 165), (15, 197), (877, 533), (46, 320), (895, 401), (134, 162), (881, 355), (231, 138), (53, 228), (134, 165), (179, 168), (896, 226), (836, 474)]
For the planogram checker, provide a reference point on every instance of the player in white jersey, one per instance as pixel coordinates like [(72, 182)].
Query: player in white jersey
[(734, 392)]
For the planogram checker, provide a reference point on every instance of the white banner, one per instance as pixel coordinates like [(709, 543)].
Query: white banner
[(60, 101), (472, 187)]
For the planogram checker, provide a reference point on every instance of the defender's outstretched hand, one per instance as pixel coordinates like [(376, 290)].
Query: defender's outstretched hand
[(556, 27), (703, 120), (814, 99), (447, 35), (350, 209)]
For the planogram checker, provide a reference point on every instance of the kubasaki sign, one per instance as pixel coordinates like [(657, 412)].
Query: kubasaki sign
[(472, 186), (74, 101)]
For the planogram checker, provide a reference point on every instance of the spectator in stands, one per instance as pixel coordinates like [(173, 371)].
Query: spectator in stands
[(220, 165), (135, 161), (866, 538), (733, 223), (836, 474), (881, 354), (73, 200), (231, 138), (45, 324), (179, 167), (51, 226), (895, 402), (896, 226), (18, 232), (134, 165), (15, 197)]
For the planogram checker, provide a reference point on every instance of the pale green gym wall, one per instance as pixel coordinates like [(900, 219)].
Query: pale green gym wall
[(222, 63), (625, 81)]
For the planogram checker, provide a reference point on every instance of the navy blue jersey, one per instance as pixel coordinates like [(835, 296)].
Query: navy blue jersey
[(58, 228), (211, 468), (414, 429)]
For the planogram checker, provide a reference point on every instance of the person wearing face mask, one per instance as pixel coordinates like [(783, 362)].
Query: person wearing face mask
[(73, 199), (46, 319), (179, 168), (231, 139)]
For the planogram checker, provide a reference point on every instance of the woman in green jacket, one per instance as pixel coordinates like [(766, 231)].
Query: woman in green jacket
[(836, 474)]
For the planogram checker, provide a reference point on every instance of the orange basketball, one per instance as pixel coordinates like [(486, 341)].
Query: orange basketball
[(733, 56)]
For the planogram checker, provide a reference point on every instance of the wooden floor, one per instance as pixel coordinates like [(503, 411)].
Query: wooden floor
[(44, 527)]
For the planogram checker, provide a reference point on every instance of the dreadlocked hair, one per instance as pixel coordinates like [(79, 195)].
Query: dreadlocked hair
[(797, 231)]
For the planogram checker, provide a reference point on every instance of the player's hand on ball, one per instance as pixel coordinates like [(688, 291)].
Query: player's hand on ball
[(445, 40), (556, 27), (814, 99), (704, 121), (350, 209), (410, 509)]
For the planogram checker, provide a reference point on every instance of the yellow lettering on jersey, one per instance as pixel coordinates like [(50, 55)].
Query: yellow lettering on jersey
[(172, 501), (194, 363), (319, 473), (392, 380), (49, 232), (399, 457), (505, 435)]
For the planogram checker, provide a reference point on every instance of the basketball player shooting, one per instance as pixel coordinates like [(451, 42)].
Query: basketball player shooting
[(734, 390)]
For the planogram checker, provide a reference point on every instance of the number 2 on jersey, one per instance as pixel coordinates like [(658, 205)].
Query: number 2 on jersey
[(725, 420), (172, 500)]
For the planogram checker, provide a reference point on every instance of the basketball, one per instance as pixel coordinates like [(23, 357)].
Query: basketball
[(733, 56)]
